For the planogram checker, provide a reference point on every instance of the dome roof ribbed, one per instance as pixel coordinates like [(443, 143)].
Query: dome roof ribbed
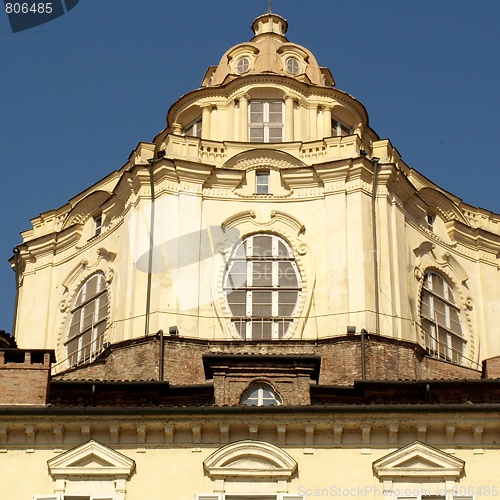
[(268, 52)]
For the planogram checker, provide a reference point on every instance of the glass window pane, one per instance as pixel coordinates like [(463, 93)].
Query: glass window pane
[(425, 307), (262, 246), (256, 112), (237, 303), (286, 303), (237, 277), (102, 313), (256, 134), (275, 134), (287, 277), (438, 285), (262, 330), (91, 287), (283, 326), (262, 304), (262, 273)]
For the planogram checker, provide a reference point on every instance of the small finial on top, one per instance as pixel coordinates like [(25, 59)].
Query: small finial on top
[(269, 6)]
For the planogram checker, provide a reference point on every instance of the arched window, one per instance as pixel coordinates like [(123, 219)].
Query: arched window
[(262, 286), (260, 394), (440, 318), (88, 321)]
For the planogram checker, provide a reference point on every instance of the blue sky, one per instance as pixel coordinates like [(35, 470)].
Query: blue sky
[(77, 94)]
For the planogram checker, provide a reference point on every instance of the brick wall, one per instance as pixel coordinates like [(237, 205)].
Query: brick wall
[(341, 364), (491, 367), (24, 376)]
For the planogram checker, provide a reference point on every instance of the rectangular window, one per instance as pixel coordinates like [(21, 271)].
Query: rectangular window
[(266, 121), (223, 496), (194, 128), (262, 185), (97, 225), (430, 222), (340, 129)]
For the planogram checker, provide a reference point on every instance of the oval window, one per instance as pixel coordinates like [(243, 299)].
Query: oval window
[(293, 65), (262, 287), (243, 65)]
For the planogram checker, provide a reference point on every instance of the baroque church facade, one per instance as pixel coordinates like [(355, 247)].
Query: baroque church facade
[(263, 303)]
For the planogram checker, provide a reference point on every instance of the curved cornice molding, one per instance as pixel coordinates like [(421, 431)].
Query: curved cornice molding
[(250, 459), (443, 205), (83, 209), (258, 158), (244, 84)]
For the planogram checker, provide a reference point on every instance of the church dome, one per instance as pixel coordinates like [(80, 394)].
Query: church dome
[(268, 52)]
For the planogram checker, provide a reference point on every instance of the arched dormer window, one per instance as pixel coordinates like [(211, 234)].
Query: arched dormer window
[(88, 321), (266, 121), (440, 317), (262, 286), (260, 394)]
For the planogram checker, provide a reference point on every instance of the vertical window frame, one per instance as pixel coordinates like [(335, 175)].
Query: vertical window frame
[(84, 307), (262, 181), (446, 301), (266, 126)]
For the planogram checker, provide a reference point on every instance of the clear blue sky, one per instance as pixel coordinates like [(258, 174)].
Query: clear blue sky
[(79, 93)]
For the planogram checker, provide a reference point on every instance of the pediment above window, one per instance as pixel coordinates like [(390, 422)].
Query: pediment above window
[(250, 459), (82, 210), (259, 158), (91, 459), (417, 462)]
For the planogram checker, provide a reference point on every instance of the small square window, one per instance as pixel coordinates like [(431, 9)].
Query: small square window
[(262, 185)]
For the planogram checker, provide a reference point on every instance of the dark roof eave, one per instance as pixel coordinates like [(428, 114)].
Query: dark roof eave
[(250, 410)]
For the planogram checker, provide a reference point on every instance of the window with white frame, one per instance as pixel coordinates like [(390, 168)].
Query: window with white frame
[(97, 225), (88, 321), (430, 221), (440, 318), (262, 179), (223, 496), (262, 286), (72, 497), (293, 65), (339, 128), (243, 65), (194, 128), (425, 494), (260, 394), (266, 121)]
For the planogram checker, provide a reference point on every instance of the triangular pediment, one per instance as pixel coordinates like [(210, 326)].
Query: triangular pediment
[(419, 461), (250, 459), (91, 459)]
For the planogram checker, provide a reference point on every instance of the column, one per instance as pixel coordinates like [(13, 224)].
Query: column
[(313, 123), (327, 121), (289, 131), (243, 118), (214, 124), (205, 121)]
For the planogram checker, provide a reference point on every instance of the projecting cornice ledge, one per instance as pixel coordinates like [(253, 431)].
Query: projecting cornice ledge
[(475, 238)]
